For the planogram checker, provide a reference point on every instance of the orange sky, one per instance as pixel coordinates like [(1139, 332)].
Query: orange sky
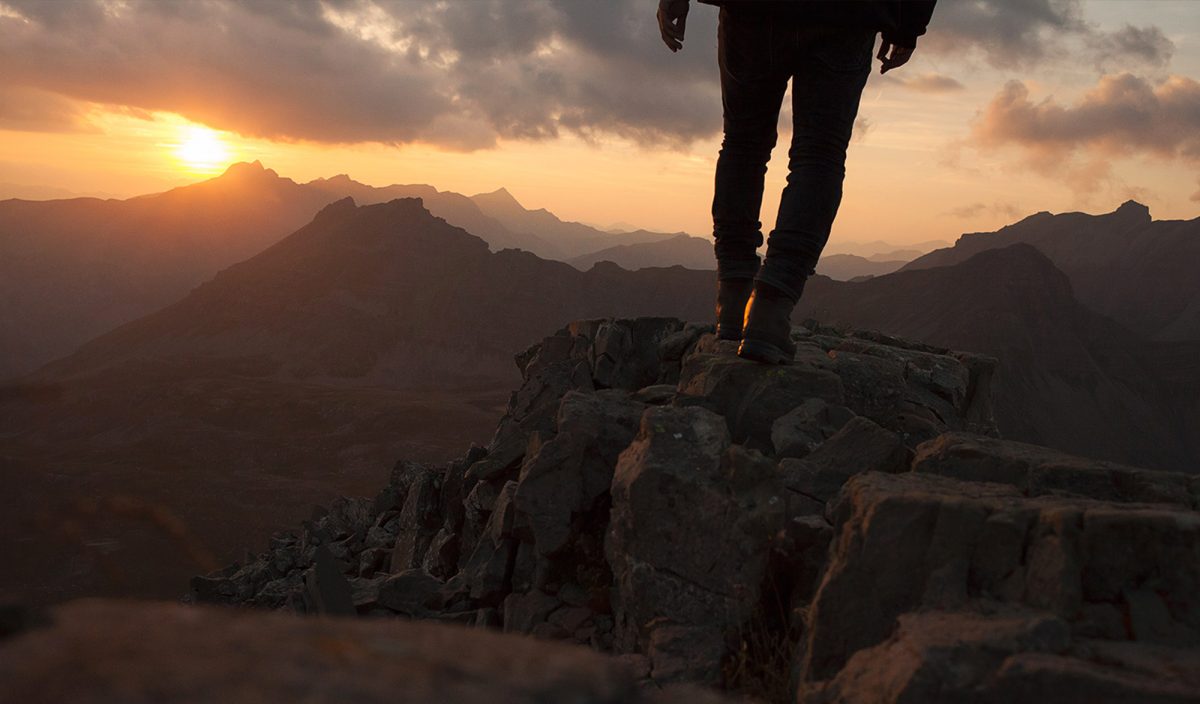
[(926, 163)]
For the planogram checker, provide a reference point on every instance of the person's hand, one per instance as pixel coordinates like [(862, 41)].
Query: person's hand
[(672, 21), (892, 56)]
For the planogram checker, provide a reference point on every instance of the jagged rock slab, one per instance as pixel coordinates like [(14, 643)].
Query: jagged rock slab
[(1040, 470), (912, 541), (1009, 656), (103, 651), (692, 521)]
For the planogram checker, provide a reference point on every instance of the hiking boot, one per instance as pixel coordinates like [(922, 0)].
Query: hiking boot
[(767, 333), (732, 295)]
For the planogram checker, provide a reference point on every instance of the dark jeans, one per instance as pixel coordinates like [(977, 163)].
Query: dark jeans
[(828, 66)]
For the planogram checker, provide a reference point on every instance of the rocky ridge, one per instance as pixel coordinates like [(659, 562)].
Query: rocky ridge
[(844, 528)]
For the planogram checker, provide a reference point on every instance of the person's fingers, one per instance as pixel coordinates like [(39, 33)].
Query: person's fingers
[(883, 50), (682, 24), (665, 29)]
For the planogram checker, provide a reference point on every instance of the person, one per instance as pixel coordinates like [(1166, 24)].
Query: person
[(824, 48)]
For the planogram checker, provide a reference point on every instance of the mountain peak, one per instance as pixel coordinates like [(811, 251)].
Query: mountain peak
[(249, 170), (1133, 210), (500, 196)]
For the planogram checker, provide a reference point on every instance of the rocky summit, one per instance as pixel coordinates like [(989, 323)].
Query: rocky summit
[(845, 528)]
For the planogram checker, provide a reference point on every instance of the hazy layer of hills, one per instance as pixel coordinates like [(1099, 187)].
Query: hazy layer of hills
[(379, 331), (73, 269)]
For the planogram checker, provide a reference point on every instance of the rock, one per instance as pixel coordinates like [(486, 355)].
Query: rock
[(107, 652), (800, 430), (564, 476), (327, 589), (524, 611), (419, 518), (750, 396), (412, 592), (678, 479), (860, 446), (1039, 470), (920, 541), (1006, 657)]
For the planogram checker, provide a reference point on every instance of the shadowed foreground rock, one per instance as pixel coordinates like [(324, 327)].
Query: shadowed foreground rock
[(846, 528), (119, 652)]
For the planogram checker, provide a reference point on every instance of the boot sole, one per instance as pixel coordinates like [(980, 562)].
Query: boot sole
[(764, 352)]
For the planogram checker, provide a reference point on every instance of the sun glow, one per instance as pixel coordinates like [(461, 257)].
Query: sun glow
[(202, 150)]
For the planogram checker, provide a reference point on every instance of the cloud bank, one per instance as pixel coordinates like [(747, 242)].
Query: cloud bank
[(460, 75), (1122, 116)]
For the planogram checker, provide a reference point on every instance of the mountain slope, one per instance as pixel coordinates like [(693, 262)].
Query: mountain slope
[(572, 239), (843, 267), (1068, 378), (1138, 271), (680, 250), (72, 269)]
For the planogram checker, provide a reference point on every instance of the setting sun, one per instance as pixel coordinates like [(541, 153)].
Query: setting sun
[(201, 149)]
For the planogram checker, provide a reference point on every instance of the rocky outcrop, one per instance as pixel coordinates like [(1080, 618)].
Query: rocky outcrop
[(787, 530), (116, 652)]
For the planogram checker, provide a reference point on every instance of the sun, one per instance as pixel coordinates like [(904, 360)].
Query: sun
[(201, 149)]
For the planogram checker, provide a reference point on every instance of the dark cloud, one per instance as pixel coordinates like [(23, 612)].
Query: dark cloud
[(33, 110), (461, 74), (1022, 33), (1122, 116)]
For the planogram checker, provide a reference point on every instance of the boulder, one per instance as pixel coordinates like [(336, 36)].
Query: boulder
[(860, 446), (1040, 470), (918, 541), (692, 522), (1012, 655)]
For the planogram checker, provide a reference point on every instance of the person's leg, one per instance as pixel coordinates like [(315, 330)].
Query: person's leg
[(831, 70), (831, 67), (753, 82)]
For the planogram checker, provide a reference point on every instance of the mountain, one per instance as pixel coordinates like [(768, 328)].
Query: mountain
[(1068, 377), (1138, 271), (879, 248), (72, 269), (843, 267), (682, 250), (572, 239), (454, 208), (372, 332)]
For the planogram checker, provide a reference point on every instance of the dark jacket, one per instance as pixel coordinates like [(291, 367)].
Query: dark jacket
[(900, 21)]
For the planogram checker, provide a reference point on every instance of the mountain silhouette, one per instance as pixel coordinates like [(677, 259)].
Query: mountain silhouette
[(1068, 377), (683, 250), (1138, 271), (572, 239), (844, 267), (73, 269)]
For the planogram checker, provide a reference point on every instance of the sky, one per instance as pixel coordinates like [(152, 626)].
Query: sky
[(1008, 107)]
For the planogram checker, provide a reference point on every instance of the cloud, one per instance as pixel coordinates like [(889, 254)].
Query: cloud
[(462, 74), (32, 110), (459, 74), (929, 83), (973, 210), (1123, 116), (1011, 34)]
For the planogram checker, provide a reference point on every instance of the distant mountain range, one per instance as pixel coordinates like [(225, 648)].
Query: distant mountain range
[(1143, 273), (73, 269)]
